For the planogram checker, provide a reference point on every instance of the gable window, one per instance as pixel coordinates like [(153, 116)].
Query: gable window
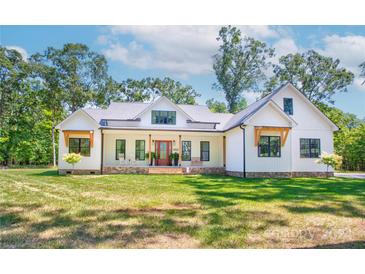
[(269, 146), (310, 148), (80, 146), (186, 151), (204, 151), (140, 150), (288, 106), (164, 117), (120, 149)]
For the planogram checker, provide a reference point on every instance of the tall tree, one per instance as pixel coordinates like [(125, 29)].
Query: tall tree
[(239, 65), (81, 73), (362, 73), (149, 88), (318, 77), (216, 106)]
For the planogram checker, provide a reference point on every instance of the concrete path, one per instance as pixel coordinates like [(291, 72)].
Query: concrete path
[(351, 175)]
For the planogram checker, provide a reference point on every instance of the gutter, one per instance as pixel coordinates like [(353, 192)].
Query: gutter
[(242, 126)]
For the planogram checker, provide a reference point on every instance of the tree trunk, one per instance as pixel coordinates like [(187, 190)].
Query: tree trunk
[(53, 141)]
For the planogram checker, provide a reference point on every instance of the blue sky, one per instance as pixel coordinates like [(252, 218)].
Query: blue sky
[(184, 52)]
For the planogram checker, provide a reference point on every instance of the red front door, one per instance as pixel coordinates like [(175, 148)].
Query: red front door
[(163, 150)]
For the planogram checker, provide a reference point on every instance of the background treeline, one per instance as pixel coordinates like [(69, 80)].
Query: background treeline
[(38, 93)]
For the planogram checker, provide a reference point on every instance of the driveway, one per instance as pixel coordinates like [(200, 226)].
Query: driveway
[(351, 175)]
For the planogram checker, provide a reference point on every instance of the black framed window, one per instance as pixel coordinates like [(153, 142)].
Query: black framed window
[(288, 106), (120, 149), (310, 148), (269, 146), (163, 117), (204, 151), (186, 151), (140, 150), (80, 146)]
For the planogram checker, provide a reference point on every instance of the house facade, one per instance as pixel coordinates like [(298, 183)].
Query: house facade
[(280, 135)]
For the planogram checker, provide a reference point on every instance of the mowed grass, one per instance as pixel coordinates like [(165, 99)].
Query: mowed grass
[(40, 209)]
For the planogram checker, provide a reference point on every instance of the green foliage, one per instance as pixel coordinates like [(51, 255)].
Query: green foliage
[(318, 77), (149, 88), (216, 106), (333, 160), (72, 158), (239, 64)]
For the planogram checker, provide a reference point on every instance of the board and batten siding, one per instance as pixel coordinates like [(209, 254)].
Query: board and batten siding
[(80, 121), (310, 125)]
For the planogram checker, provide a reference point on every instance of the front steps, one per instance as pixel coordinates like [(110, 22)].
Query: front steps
[(165, 170)]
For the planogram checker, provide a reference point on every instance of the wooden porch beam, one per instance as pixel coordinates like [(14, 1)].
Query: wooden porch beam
[(89, 133), (283, 131)]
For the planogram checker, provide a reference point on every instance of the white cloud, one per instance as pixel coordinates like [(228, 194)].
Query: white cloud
[(181, 50), (21, 50), (102, 39), (349, 49), (285, 46)]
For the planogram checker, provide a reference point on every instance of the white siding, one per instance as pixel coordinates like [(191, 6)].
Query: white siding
[(234, 148), (310, 125), (80, 121)]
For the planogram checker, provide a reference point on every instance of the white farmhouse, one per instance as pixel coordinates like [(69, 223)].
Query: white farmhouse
[(280, 135)]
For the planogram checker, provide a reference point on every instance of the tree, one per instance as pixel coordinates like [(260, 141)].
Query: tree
[(318, 77), (239, 65), (362, 73), (330, 160), (216, 106), (149, 88), (221, 107), (81, 74), (72, 159)]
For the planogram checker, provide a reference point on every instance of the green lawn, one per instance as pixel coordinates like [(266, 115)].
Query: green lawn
[(39, 209)]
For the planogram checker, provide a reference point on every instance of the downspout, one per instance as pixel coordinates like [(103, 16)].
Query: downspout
[(244, 150), (102, 152)]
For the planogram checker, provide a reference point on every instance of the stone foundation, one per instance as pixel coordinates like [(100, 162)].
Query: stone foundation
[(78, 171), (279, 174), (125, 170), (204, 170), (197, 170), (312, 174)]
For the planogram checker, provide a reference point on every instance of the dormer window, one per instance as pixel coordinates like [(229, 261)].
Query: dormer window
[(164, 117), (288, 106)]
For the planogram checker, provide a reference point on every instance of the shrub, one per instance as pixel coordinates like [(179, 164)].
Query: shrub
[(330, 160), (72, 159)]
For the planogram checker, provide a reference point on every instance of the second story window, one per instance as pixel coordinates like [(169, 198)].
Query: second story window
[(164, 117), (288, 106)]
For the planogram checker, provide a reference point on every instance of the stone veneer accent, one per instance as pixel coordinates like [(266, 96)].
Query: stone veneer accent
[(126, 170), (200, 170), (279, 174), (78, 171), (204, 170)]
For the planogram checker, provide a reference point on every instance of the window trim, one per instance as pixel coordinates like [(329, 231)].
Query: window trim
[(79, 146), (159, 111), (144, 150), (116, 148), (292, 105), (201, 151), (182, 154), (310, 151), (269, 150)]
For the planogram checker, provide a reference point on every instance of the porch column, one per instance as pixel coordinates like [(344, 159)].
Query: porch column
[(149, 149), (180, 150)]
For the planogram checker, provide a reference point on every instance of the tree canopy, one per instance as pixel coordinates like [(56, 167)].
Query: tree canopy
[(318, 77), (239, 64)]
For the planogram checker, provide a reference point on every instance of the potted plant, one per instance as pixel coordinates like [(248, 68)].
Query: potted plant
[(174, 157), (72, 159), (153, 158)]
